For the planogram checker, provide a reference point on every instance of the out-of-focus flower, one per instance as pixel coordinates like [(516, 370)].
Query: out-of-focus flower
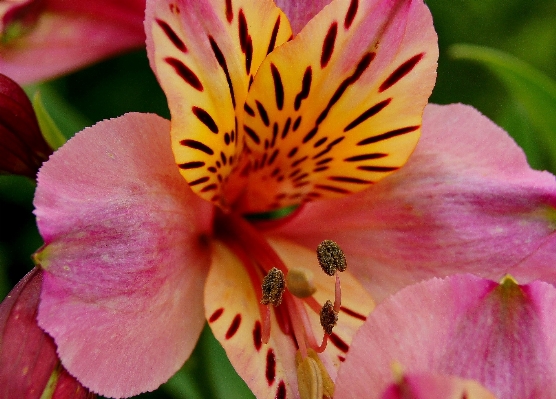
[(41, 39), (29, 366), (23, 148), (498, 334)]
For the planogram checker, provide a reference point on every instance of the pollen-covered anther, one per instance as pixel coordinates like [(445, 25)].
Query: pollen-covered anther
[(328, 317), (274, 286), (300, 282), (331, 257)]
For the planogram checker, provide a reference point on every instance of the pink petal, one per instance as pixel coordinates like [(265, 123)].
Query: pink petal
[(71, 34), (300, 12), (427, 385), (466, 201), (500, 335), (27, 354), (125, 257)]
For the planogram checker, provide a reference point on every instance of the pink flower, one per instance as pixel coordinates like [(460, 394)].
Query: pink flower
[(41, 39), (139, 253), (500, 335)]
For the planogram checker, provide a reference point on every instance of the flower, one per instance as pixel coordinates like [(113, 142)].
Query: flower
[(41, 39), (498, 334), (23, 149), (139, 253)]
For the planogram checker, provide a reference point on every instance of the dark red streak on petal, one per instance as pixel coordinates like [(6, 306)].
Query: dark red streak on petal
[(350, 15), (191, 165), (378, 168), (400, 72), (185, 73), (234, 326), (197, 145), (388, 135), (281, 391), (332, 189), (278, 86), (222, 62), (339, 343), (273, 36), (375, 109), (205, 118), (257, 335), (251, 133), (248, 109), (366, 157), (286, 129), (229, 11), (174, 38), (352, 313), (216, 315), (199, 181), (328, 45), (305, 88), (243, 32), (263, 113), (347, 179), (270, 366)]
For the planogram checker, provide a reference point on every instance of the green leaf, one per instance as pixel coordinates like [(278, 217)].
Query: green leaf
[(50, 131), (533, 92)]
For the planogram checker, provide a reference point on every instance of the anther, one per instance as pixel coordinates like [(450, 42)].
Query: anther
[(331, 257), (300, 282), (328, 317), (313, 380), (274, 286)]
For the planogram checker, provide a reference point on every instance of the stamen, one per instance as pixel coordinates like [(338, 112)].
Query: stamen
[(337, 294), (331, 257), (313, 379), (328, 317), (300, 282), (274, 286)]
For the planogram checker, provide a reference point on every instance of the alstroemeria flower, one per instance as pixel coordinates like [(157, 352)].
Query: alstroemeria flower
[(498, 334), (139, 253), (41, 39)]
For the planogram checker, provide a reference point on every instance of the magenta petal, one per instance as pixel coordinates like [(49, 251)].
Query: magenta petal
[(501, 335), (466, 201), (61, 36), (300, 12), (126, 256), (27, 354)]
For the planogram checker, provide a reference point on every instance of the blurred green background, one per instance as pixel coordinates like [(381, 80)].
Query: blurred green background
[(524, 29)]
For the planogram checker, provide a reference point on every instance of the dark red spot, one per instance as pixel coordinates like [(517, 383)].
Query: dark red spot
[(248, 109), (227, 138), (321, 168), (341, 358), (222, 62), (332, 189), (375, 109), (320, 142), (263, 113), (350, 15), (211, 169), (233, 326), (216, 315), (243, 32), (278, 86), (249, 57), (270, 366), (257, 335), (296, 123), (292, 152), (281, 391), (273, 36), (185, 73), (305, 88), (286, 128), (328, 45), (352, 313), (229, 11), (365, 157), (347, 179), (310, 135), (400, 72), (199, 181), (205, 118), (251, 133), (297, 162), (197, 145), (191, 165), (339, 342), (388, 135), (324, 161), (174, 38), (210, 187), (378, 168)]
